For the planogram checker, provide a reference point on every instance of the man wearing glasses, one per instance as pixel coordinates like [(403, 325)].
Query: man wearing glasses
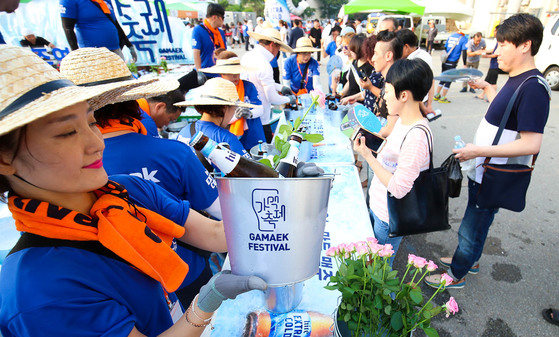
[(207, 37)]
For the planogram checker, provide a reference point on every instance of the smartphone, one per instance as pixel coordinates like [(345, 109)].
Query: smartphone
[(362, 75), (373, 141)]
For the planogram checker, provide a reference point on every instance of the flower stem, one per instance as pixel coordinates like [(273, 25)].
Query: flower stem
[(433, 296), (405, 274)]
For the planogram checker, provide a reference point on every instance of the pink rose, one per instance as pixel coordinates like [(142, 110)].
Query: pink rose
[(372, 240), (419, 262), (446, 279), (163, 58), (386, 251), (374, 247), (411, 258), (431, 266), (331, 251), (319, 96), (361, 250), (451, 307)]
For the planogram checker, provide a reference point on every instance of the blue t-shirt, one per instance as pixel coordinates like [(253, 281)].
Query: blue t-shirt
[(155, 198), (331, 48), (245, 30), (168, 163), (203, 41), (255, 131), (274, 62), (294, 71), (63, 291), (493, 64), (460, 42), (93, 28), (530, 110), (217, 134), (149, 124)]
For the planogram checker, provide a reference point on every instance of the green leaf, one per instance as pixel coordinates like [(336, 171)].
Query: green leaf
[(392, 274), (387, 309), (266, 162), (297, 123), (416, 296), (347, 316), (276, 160), (396, 321), (285, 128), (278, 143), (427, 314), (431, 332), (284, 149), (349, 290), (330, 287), (314, 137)]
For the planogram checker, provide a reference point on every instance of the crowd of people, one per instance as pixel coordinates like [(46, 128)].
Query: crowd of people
[(119, 224)]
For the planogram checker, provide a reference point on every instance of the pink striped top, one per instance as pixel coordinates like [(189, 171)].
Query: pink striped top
[(404, 163)]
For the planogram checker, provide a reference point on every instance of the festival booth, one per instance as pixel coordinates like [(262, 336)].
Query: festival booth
[(151, 30), (391, 6)]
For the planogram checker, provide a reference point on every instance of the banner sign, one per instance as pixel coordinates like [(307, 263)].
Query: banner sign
[(275, 10), (153, 33)]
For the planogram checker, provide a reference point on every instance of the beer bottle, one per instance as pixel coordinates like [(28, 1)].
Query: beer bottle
[(230, 163), (294, 323), (261, 150), (287, 166)]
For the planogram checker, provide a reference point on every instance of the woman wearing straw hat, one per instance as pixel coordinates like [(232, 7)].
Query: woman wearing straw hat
[(301, 70), (128, 150), (217, 100), (246, 123), (269, 44), (89, 261)]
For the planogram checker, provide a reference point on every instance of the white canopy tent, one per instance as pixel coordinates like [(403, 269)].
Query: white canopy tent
[(452, 9)]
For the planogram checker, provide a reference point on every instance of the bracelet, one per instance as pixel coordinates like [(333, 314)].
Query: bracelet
[(190, 308), (194, 311)]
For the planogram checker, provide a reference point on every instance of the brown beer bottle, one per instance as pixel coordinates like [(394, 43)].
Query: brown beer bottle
[(230, 163), (294, 323), (287, 166)]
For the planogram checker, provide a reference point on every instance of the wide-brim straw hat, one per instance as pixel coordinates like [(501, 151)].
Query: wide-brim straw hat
[(31, 89), (304, 45), (99, 66), (228, 66), (216, 91), (271, 34)]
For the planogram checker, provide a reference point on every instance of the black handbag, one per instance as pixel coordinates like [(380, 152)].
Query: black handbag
[(505, 185), (425, 208), (455, 176)]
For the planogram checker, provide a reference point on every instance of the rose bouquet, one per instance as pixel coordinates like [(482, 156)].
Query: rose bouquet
[(374, 300)]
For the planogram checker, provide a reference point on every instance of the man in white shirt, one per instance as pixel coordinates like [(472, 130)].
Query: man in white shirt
[(269, 44), (412, 51)]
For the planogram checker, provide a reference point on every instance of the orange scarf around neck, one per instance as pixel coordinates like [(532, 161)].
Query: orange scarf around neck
[(217, 39), (144, 105), (141, 237), (239, 126), (130, 124)]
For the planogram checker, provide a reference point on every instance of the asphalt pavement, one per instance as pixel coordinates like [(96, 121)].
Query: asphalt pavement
[(519, 268)]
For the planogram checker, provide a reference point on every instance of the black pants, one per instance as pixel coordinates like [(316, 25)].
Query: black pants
[(429, 46), (247, 42), (446, 66)]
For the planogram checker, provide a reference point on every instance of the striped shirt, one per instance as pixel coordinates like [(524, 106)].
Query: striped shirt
[(405, 163)]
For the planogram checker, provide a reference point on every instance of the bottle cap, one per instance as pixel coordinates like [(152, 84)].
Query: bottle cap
[(457, 138)]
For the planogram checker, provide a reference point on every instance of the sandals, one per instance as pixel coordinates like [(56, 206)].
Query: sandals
[(551, 315)]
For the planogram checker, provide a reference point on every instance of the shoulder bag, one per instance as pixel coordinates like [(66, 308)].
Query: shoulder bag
[(505, 185), (444, 54), (425, 208)]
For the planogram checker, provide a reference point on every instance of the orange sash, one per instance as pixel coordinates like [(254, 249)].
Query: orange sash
[(103, 6), (217, 39), (301, 91), (141, 237), (238, 127), (144, 105), (131, 124)]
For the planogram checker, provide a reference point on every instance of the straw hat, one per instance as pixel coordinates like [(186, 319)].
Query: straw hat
[(228, 66), (304, 45), (31, 89), (271, 34), (216, 91), (99, 66)]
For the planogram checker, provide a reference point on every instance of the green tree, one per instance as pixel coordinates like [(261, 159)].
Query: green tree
[(224, 4), (256, 6), (331, 8)]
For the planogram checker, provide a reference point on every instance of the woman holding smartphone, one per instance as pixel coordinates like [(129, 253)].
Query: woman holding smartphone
[(406, 152)]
